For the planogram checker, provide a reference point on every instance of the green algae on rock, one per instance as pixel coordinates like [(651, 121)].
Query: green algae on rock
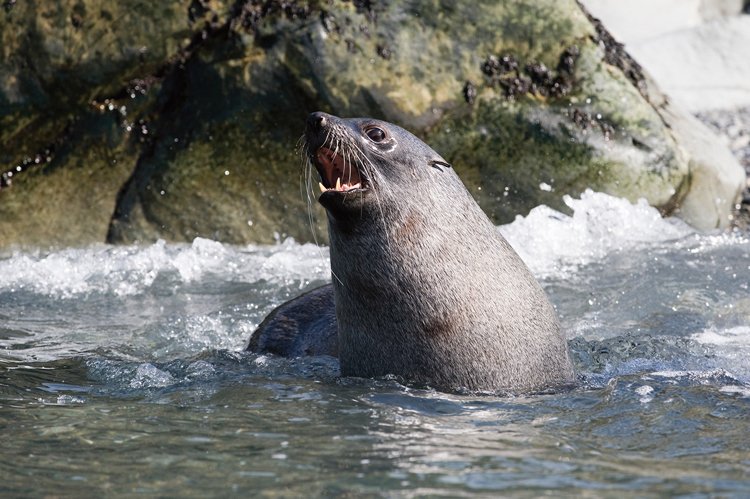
[(175, 120)]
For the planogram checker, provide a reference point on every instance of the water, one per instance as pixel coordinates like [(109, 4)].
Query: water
[(122, 373)]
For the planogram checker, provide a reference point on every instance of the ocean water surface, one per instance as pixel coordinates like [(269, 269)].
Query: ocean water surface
[(122, 372)]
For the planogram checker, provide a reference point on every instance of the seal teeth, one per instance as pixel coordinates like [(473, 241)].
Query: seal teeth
[(338, 184), (322, 187)]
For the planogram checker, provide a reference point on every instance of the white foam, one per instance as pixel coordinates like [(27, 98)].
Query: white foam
[(742, 391), (646, 393), (68, 272), (70, 400), (737, 336), (131, 270), (702, 377), (730, 347), (552, 243), (203, 254), (291, 260), (149, 376), (192, 334)]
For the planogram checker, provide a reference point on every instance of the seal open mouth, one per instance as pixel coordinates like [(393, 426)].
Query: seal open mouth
[(336, 174)]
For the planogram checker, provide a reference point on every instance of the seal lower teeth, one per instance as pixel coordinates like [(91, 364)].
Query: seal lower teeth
[(339, 186), (332, 166)]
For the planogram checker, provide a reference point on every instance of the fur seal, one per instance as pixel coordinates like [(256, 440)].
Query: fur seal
[(424, 286)]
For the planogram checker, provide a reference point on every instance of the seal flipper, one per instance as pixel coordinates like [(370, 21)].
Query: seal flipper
[(305, 325)]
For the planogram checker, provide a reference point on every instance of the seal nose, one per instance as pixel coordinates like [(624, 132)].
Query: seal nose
[(317, 120)]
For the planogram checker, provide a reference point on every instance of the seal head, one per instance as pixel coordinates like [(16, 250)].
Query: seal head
[(355, 161)]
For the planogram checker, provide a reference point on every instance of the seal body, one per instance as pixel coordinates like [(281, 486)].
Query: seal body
[(424, 285), (300, 327)]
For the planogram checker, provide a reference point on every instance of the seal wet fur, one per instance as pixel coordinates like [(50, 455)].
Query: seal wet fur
[(424, 286)]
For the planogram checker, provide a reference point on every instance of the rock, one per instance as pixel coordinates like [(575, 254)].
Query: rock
[(637, 21), (63, 145), (704, 67), (692, 48), (187, 126), (715, 9), (734, 125), (713, 172)]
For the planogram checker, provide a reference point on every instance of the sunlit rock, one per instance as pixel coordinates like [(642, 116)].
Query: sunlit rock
[(176, 121)]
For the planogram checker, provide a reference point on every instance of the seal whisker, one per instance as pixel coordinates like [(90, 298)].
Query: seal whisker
[(349, 165), (301, 143), (306, 171), (307, 168), (372, 173)]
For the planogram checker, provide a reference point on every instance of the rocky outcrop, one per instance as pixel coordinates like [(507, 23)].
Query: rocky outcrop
[(67, 143), (694, 49), (175, 121), (638, 21)]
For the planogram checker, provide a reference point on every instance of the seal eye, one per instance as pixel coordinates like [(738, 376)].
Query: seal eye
[(375, 134)]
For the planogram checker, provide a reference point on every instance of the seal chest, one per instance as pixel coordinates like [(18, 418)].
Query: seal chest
[(424, 286)]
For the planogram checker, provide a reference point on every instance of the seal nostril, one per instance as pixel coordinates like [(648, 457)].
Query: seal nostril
[(316, 120)]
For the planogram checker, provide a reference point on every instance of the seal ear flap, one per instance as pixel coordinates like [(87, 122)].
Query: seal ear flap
[(439, 164)]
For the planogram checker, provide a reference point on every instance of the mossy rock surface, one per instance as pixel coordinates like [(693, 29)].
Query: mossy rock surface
[(132, 122)]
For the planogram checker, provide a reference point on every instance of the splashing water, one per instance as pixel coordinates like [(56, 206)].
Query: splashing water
[(131, 357), (554, 244)]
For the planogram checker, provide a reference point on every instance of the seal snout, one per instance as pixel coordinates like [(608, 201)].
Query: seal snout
[(330, 151), (319, 127), (317, 121)]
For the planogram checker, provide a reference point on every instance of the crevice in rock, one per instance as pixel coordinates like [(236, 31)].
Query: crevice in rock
[(244, 15)]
